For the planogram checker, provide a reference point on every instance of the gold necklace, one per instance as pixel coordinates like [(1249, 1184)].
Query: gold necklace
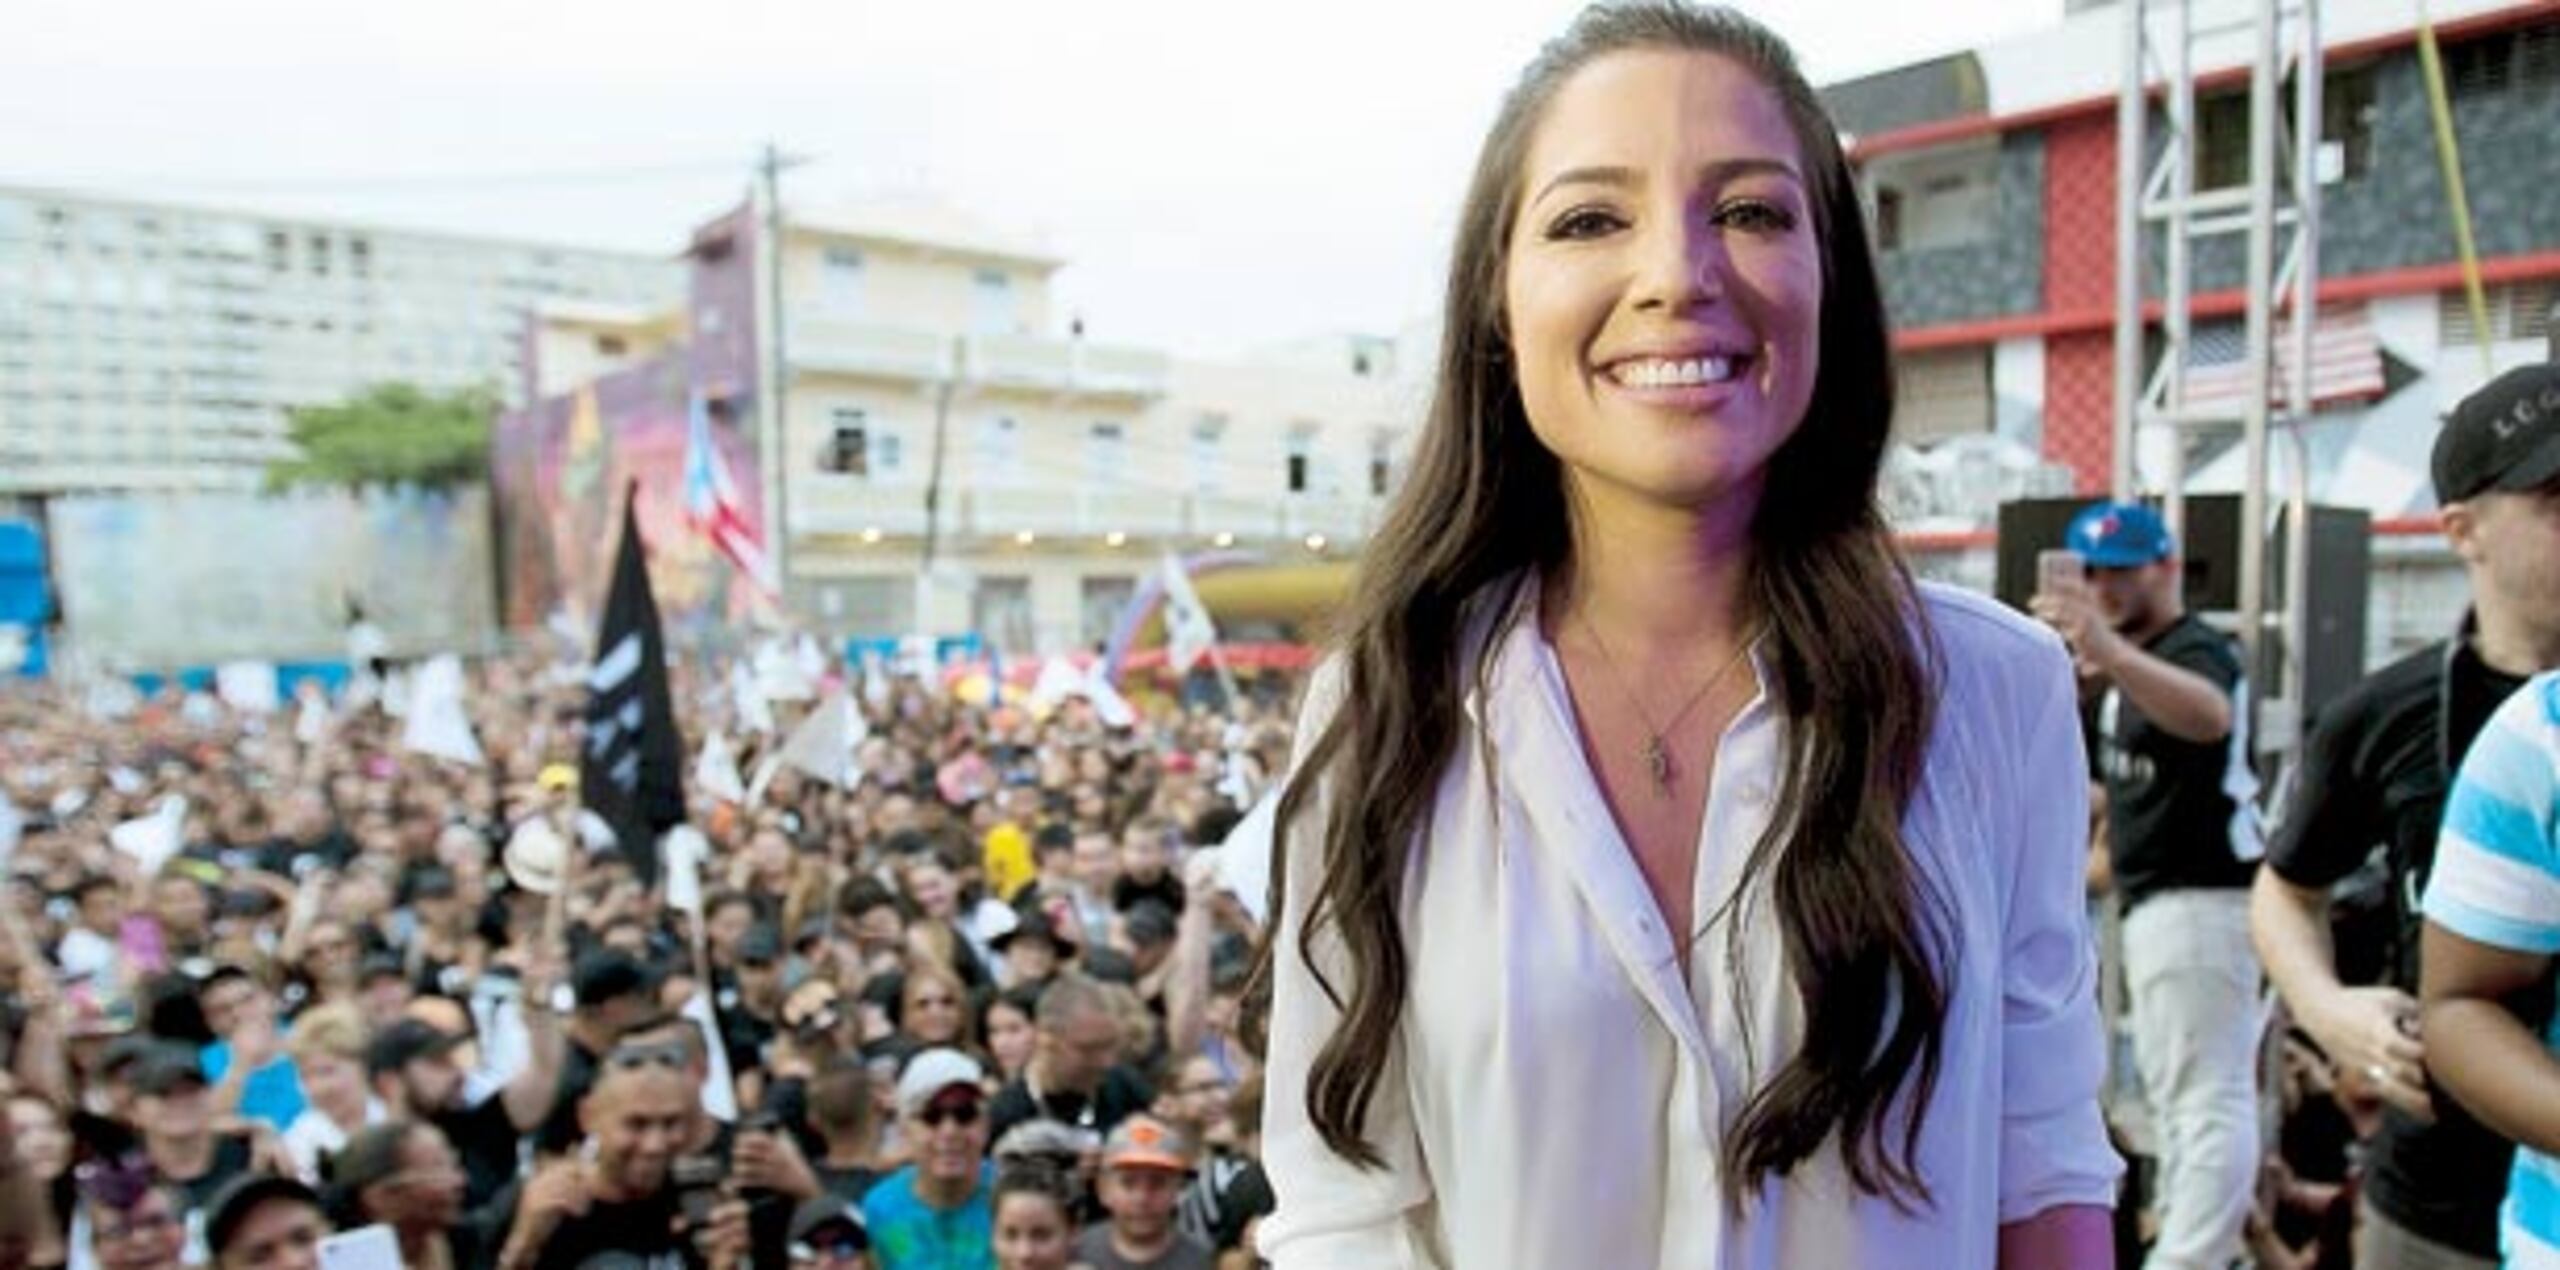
[(1657, 751)]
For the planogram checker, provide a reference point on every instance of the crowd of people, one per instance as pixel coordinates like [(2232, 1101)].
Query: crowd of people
[(278, 978)]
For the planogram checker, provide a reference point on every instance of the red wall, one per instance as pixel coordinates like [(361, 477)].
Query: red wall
[(2080, 273)]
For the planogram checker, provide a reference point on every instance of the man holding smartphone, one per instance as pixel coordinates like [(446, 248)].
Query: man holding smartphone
[(2182, 836)]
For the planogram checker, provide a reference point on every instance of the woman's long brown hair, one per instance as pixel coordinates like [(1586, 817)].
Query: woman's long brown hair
[(1847, 655)]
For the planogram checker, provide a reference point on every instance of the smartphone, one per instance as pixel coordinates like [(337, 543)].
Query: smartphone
[(364, 1248), (698, 1180), (2059, 566)]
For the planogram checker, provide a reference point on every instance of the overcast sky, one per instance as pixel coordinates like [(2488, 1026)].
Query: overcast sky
[(1220, 175)]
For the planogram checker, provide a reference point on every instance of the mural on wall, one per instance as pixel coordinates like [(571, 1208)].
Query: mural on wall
[(561, 467)]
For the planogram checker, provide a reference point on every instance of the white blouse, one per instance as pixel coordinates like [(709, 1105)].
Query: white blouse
[(1558, 1095)]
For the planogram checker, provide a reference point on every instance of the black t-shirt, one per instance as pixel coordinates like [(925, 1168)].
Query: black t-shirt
[(560, 1132), (2375, 773), (486, 1140), (231, 1157), (1203, 1211), (636, 1235), (1124, 1094), (1127, 892), (2172, 823)]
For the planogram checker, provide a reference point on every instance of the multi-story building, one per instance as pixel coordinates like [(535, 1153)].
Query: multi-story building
[(1068, 464), (1992, 179), (923, 353), (158, 346)]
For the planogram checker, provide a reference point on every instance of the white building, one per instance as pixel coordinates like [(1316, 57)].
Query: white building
[(158, 346)]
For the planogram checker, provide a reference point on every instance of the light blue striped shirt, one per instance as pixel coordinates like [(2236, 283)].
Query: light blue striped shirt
[(2497, 881)]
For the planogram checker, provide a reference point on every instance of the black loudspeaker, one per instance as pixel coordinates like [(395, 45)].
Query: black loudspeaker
[(2340, 577)]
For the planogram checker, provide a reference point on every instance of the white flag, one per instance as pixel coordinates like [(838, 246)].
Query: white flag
[(755, 714), (436, 722), (719, 1088), (1188, 633), (1113, 708), (715, 772), (152, 839), (247, 686), (311, 726), (823, 744), (1058, 680), (681, 854), (1244, 859)]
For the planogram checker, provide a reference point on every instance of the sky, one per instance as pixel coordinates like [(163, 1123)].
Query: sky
[(1219, 176)]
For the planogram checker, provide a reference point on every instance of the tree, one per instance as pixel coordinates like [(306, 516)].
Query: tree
[(392, 433)]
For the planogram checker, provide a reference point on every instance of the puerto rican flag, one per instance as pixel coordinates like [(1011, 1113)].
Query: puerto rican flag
[(711, 503)]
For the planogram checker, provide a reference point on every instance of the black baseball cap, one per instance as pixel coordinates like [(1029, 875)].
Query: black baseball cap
[(406, 1040), (830, 1219), (761, 945), (2506, 436), (610, 975), (166, 1068), (231, 1208)]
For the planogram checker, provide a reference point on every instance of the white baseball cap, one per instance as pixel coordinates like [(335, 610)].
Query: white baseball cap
[(933, 1071)]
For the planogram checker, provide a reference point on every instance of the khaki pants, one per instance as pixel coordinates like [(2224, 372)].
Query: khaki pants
[(2192, 979)]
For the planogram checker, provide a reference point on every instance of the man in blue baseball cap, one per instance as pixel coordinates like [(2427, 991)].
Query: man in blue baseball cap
[(2183, 845)]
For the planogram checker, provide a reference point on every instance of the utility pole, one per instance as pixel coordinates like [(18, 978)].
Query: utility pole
[(943, 393), (771, 421)]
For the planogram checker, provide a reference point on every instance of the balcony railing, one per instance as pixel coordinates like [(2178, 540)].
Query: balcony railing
[(829, 345), (1071, 366), (829, 504)]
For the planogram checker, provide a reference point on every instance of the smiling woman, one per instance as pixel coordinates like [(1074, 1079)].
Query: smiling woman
[(1667, 879)]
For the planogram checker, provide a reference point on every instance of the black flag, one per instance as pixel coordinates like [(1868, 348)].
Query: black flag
[(631, 771)]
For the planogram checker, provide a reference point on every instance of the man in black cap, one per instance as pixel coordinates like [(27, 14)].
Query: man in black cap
[(827, 1234), (265, 1222), (2374, 778), (748, 1009), (615, 992), (1032, 949), (173, 1108)]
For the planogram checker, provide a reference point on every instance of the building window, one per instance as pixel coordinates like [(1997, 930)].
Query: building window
[(2348, 110), (1208, 453), (611, 346), (999, 457), (1106, 453), (279, 251), (840, 286), (1301, 458), (1382, 447), (1004, 613), (848, 450), (1888, 218), (319, 255), (2517, 311), (360, 257), (991, 302), (1105, 599)]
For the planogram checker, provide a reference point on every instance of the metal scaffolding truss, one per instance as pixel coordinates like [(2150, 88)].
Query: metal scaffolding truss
[(2277, 206)]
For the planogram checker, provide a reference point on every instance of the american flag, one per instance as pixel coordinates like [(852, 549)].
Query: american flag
[(2346, 362), (711, 503)]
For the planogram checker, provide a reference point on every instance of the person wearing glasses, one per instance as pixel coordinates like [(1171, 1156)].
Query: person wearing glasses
[(403, 1174), (938, 1213), (827, 1234), (132, 1219)]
